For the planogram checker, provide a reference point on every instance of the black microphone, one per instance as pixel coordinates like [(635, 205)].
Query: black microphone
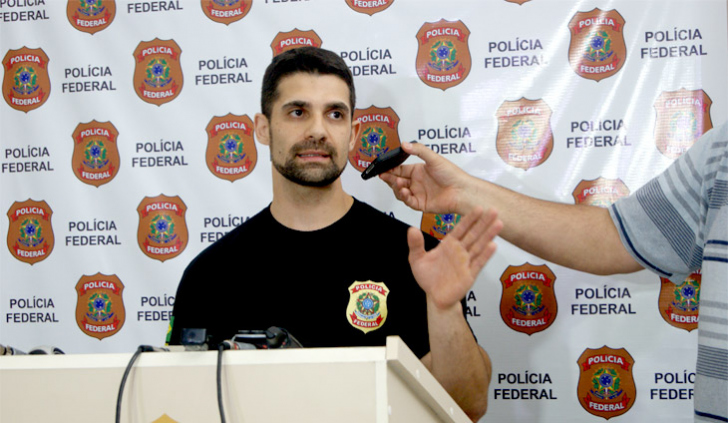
[(46, 350)]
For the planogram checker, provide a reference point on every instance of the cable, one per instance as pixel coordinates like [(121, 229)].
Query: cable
[(123, 382), (220, 349)]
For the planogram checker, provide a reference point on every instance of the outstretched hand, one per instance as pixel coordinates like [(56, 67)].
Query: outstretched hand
[(447, 272), (434, 187)]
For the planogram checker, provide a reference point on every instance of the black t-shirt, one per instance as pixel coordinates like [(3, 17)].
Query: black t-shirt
[(263, 274)]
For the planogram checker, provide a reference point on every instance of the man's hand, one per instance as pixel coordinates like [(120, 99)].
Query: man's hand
[(447, 272), (437, 186)]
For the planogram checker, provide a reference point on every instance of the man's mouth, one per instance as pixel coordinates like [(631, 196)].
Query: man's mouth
[(313, 155)]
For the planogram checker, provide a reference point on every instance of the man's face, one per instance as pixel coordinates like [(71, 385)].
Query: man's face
[(310, 131)]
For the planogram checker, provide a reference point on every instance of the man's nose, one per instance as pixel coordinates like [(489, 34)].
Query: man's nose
[(316, 128)]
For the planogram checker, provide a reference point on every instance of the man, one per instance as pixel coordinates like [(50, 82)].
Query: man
[(672, 226), (334, 271)]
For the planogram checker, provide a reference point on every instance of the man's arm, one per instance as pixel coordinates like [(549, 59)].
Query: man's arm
[(446, 274), (576, 236)]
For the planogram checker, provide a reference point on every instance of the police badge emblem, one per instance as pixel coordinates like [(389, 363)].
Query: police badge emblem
[(680, 304), (95, 159), (226, 11), (443, 56), (158, 77), (683, 116), (597, 49), (378, 135), (26, 84), (528, 302), (285, 41), (606, 384), (100, 309), (30, 235), (367, 308), (600, 192), (162, 233), (439, 224), (369, 7), (231, 153), (91, 16), (524, 139)]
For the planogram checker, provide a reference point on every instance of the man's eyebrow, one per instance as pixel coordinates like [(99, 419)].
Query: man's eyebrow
[(296, 103), (339, 105)]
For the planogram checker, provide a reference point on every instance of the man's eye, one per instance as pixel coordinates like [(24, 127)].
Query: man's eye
[(297, 112), (337, 114)]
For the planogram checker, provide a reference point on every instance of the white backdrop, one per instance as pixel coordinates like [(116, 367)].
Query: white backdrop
[(526, 104)]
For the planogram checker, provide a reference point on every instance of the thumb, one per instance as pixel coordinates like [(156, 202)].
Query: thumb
[(416, 242), (419, 150)]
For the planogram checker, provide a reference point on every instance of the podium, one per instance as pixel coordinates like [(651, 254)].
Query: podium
[(369, 384)]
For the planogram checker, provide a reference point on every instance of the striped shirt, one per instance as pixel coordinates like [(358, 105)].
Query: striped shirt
[(678, 223)]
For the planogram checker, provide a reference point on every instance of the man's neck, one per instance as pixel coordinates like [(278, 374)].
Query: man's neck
[(308, 208)]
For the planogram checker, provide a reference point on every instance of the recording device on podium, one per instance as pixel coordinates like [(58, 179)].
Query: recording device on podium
[(272, 338)]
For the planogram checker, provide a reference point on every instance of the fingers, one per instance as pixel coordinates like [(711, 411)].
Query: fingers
[(401, 186), (475, 232), (479, 260), (416, 242), (420, 150)]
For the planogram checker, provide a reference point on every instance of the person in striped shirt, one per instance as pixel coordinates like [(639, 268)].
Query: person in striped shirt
[(674, 225)]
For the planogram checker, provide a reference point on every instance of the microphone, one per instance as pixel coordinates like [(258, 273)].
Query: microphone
[(8, 350), (232, 344), (272, 338), (46, 350)]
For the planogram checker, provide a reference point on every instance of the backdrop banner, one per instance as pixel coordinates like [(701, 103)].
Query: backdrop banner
[(127, 147)]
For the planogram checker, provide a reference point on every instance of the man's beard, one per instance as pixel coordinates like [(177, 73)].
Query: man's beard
[(310, 174)]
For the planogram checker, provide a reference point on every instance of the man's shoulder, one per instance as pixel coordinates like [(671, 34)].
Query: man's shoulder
[(382, 222), (231, 242)]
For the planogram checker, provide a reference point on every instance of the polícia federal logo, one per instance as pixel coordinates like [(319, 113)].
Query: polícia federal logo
[(378, 135), (162, 232), (30, 235), (158, 77), (26, 84), (367, 308)]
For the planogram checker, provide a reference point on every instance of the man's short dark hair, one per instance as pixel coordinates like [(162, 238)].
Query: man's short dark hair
[(311, 60)]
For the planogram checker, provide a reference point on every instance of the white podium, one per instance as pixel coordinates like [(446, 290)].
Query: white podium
[(379, 384)]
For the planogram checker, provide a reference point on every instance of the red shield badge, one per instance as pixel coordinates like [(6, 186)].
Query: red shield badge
[(95, 157), (528, 303), (231, 152), (378, 135), (683, 116), (525, 139), (443, 56), (26, 84), (91, 16), (30, 235), (679, 304), (439, 225), (293, 39), (369, 7), (597, 49), (599, 192), (606, 384), (100, 309), (158, 75), (226, 11), (519, 2), (162, 233)]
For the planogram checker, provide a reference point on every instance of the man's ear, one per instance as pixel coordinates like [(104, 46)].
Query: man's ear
[(262, 129), (355, 133)]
